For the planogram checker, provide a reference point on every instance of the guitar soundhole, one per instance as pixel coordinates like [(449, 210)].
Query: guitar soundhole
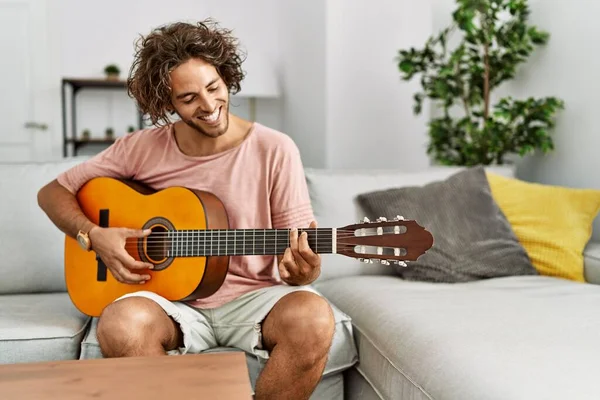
[(154, 247), (156, 244)]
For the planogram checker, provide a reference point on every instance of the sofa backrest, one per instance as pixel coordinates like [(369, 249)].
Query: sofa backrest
[(31, 247), (333, 195)]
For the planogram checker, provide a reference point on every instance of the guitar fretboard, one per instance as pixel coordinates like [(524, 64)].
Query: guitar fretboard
[(238, 242)]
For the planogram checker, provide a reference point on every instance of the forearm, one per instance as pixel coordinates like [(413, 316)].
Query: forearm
[(62, 208)]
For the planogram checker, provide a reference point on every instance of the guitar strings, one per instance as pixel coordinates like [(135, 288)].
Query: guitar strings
[(193, 242), (324, 247)]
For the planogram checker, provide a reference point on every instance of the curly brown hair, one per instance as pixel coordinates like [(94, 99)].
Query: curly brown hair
[(166, 47)]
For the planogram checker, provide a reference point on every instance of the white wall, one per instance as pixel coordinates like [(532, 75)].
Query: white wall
[(303, 37), (84, 43), (370, 122), (345, 104)]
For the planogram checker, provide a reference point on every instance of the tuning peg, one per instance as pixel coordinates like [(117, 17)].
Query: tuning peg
[(381, 219), (399, 218), (365, 219), (385, 262)]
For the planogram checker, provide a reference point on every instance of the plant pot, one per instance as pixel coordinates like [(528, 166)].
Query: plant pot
[(112, 77)]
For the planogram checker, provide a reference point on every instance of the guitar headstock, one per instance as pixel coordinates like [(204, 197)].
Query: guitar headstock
[(396, 241)]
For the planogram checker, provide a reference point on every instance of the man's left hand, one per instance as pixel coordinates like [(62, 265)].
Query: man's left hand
[(299, 264)]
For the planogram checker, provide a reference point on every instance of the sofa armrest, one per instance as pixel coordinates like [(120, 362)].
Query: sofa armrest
[(591, 261)]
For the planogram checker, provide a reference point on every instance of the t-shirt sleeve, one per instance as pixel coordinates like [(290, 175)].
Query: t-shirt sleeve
[(113, 162), (290, 200)]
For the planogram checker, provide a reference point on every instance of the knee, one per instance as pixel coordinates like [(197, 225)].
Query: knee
[(126, 324), (308, 323)]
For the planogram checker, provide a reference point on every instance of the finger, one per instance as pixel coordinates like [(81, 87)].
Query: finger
[(128, 263), (313, 224), (287, 265), (116, 269), (283, 273), (131, 263), (294, 247), (294, 240), (130, 277), (137, 233), (307, 255)]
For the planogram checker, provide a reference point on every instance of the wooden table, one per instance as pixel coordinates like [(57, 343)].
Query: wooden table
[(200, 376)]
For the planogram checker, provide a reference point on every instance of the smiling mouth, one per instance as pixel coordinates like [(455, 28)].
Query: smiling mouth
[(212, 118)]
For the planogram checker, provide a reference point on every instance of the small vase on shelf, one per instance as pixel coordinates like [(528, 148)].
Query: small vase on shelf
[(112, 72)]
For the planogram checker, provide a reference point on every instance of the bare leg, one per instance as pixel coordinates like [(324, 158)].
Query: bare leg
[(298, 333), (136, 326)]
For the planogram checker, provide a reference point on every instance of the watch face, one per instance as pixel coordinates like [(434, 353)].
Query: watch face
[(82, 241)]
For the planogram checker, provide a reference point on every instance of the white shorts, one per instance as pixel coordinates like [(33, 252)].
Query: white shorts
[(235, 324)]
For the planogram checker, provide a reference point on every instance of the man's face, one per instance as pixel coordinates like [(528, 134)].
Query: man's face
[(200, 97)]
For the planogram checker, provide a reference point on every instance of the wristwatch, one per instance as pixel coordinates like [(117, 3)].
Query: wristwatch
[(84, 240)]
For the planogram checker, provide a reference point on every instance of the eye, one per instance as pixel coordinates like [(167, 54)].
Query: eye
[(212, 89)]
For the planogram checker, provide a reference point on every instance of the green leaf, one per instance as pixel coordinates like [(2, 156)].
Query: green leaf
[(406, 66), (454, 77)]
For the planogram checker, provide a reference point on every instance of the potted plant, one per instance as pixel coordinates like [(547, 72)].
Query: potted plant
[(86, 134), (495, 39), (112, 72), (109, 133)]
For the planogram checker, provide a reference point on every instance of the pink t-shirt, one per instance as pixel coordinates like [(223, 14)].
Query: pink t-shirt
[(261, 183)]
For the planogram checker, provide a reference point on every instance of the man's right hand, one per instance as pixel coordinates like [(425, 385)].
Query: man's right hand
[(109, 244)]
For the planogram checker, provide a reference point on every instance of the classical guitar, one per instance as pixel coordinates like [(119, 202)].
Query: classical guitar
[(191, 242)]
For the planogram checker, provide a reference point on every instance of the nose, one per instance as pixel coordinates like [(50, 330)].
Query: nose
[(206, 104)]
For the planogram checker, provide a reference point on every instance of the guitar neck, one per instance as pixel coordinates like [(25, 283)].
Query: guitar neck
[(241, 242)]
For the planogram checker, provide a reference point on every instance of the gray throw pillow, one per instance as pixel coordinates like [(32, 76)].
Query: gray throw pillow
[(473, 240)]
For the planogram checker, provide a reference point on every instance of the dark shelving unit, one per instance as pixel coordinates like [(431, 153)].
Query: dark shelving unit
[(76, 84)]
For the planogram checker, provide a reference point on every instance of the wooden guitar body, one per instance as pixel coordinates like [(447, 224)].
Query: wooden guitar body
[(191, 242), (119, 203)]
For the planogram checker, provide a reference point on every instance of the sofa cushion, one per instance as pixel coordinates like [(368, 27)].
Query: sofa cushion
[(554, 223), (472, 237), (525, 337), (33, 248), (333, 194), (40, 327)]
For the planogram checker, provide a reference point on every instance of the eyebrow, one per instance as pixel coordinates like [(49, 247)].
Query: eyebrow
[(181, 96)]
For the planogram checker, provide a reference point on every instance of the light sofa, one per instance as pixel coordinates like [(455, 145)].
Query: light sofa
[(528, 337)]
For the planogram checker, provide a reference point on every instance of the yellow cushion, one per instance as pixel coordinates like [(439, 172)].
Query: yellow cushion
[(553, 223)]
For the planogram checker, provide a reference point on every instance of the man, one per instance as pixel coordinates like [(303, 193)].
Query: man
[(264, 306)]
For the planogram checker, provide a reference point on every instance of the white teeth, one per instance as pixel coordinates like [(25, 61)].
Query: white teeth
[(212, 117)]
